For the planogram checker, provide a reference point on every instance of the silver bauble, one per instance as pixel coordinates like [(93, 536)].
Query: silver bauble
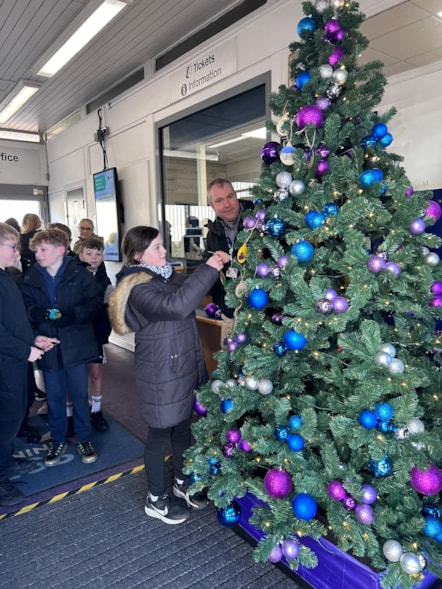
[(325, 71), (340, 76), (216, 385), (321, 5), (265, 386), (396, 366), (388, 348), (425, 251), (241, 381), (283, 179), (402, 433), (432, 259), (334, 91), (392, 550), (410, 563), (280, 194), (422, 560), (415, 426), (382, 359), (230, 382), (296, 187), (251, 382), (337, 4)]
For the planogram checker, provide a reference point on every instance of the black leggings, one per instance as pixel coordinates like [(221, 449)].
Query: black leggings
[(155, 453)]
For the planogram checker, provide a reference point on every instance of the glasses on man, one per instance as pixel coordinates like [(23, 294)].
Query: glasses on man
[(85, 228), (13, 247)]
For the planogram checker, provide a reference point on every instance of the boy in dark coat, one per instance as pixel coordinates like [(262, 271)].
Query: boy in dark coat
[(63, 299), (19, 346)]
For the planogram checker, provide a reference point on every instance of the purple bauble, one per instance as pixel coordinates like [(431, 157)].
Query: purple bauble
[(393, 268), (336, 491), (228, 450), (427, 482), (330, 294), (368, 494), (364, 514), (262, 270), (276, 554), (323, 150), (324, 306), (323, 168), (277, 318), (434, 210), (331, 28), (261, 214), (231, 346), (340, 305), (376, 264), (282, 261), (198, 408), (323, 103), (233, 436), (290, 549), (436, 287), (309, 114), (241, 338), (270, 152), (409, 191), (336, 56), (417, 226), (249, 222), (277, 483), (244, 445), (349, 503)]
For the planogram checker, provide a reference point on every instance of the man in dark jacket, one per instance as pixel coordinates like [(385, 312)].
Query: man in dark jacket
[(223, 231)]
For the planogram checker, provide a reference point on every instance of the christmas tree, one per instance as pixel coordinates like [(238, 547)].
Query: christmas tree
[(326, 404)]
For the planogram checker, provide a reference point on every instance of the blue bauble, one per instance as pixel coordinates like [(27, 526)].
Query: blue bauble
[(270, 152), (295, 422), (368, 141), (367, 178), (314, 219), (229, 516), (258, 298), (367, 419), (433, 527), (384, 411), (330, 209), (303, 250), (295, 442), (379, 130), (378, 174), (385, 426), (214, 466), (275, 227), (281, 432), (304, 506), (302, 79), (381, 468), (194, 477), (226, 405), (431, 509), (306, 25), (280, 349), (294, 340), (386, 140)]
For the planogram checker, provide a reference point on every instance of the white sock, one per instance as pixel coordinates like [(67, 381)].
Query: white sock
[(96, 403), (69, 409), (153, 497), (179, 481)]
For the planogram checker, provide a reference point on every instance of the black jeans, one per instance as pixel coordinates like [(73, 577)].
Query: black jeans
[(12, 409), (155, 453)]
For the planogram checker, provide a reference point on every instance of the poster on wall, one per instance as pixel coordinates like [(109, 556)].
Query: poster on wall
[(107, 203)]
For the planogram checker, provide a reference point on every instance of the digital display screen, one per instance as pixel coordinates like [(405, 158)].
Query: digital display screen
[(107, 208)]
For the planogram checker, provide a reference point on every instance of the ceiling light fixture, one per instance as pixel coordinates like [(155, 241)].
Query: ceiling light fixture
[(91, 27), (17, 98), (14, 135), (260, 133)]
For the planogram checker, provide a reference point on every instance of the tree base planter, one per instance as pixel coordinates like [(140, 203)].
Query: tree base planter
[(335, 568)]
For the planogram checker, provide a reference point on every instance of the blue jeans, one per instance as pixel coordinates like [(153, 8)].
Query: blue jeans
[(58, 383)]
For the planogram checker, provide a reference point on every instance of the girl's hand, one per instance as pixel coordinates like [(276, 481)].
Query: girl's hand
[(218, 260)]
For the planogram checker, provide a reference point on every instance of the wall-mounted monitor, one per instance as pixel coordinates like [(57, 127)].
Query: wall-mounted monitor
[(108, 209)]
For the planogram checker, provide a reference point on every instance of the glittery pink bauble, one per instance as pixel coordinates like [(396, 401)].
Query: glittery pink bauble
[(323, 168), (233, 435), (277, 483), (336, 490), (309, 114), (436, 287), (434, 210), (427, 482), (336, 56), (436, 301), (340, 305), (349, 503), (417, 226), (364, 514), (376, 264)]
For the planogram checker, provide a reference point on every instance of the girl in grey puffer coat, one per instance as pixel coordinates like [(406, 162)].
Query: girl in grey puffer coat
[(159, 306)]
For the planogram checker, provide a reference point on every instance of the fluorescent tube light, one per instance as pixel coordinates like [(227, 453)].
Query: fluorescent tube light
[(227, 142), (13, 135), (260, 133), (91, 27), (16, 99), (189, 155)]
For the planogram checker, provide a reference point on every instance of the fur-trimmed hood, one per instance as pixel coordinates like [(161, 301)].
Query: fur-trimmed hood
[(118, 301)]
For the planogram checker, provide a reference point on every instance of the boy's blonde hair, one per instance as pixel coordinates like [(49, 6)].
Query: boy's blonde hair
[(91, 243), (62, 227), (8, 232), (55, 237)]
